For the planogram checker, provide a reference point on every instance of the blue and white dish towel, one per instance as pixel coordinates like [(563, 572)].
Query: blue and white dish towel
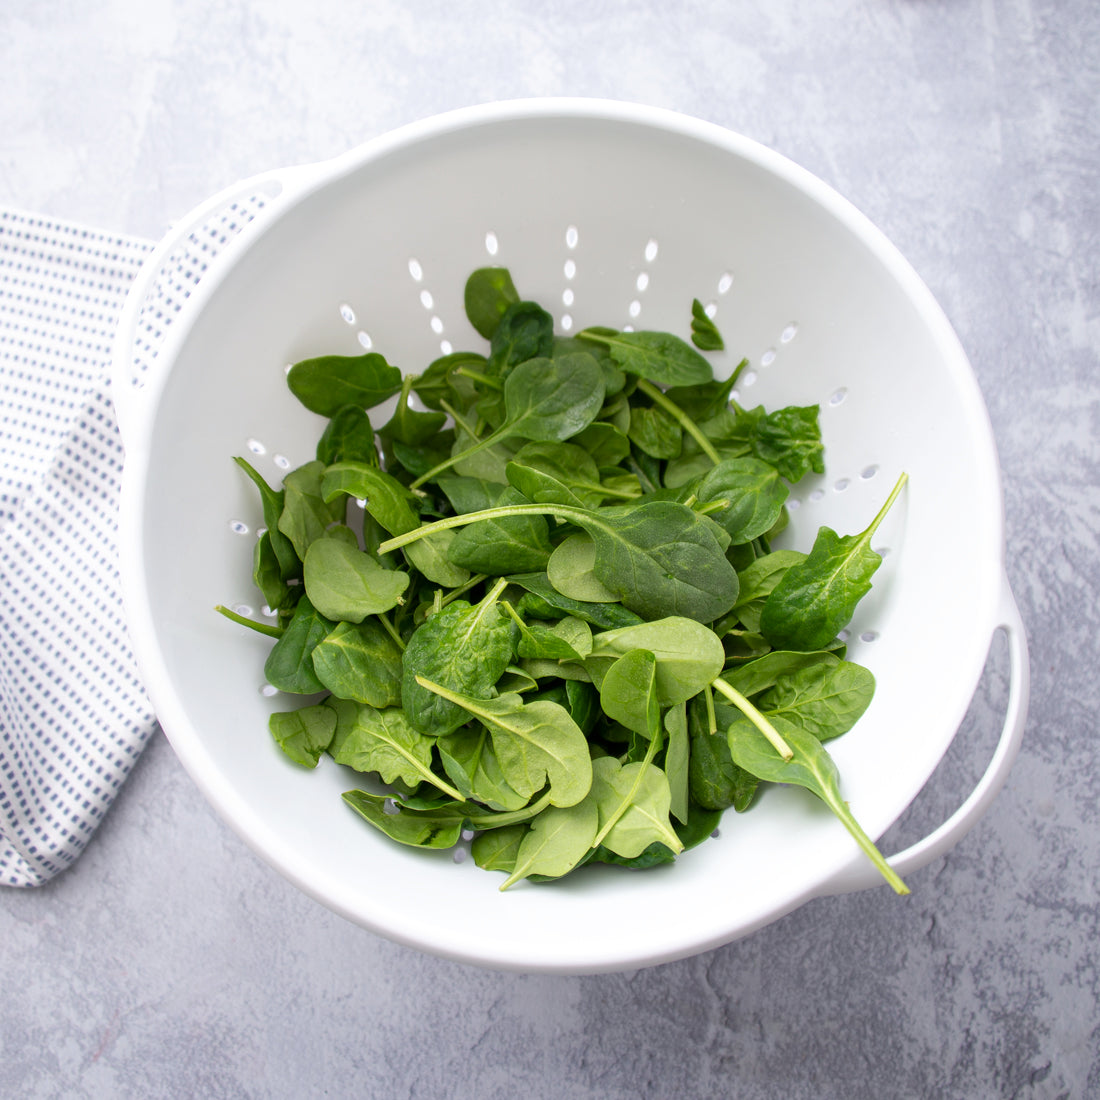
[(73, 713)]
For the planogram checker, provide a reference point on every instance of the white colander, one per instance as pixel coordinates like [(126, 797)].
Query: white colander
[(607, 214)]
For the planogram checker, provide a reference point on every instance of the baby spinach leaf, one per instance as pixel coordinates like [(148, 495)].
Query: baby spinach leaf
[(360, 662), (487, 297), (767, 671), (470, 494), (663, 559), (655, 432), (443, 381), (708, 400), (715, 782), (306, 515), (628, 693), (348, 437), (498, 849), (271, 501), (542, 669), (383, 742), (571, 570), (758, 580), (544, 399), (525, 331), (439, 827), (434, 558), (700, 825), (604, 443), (328, 383), (556, 473), (507, 545), (810, 767), (419, 459), (387, 500), (267, 575), (704, 332), (551, 643), (471, 764), (751, 492), (303, 734), (289, 664), (347, 584), (474, 456), (558, 839), (677, 760), (788, 439), (825, 699), (408, 425), (550, 400), (463, 648), (817, 598), (536, 743), (658, 356), (653, 856), (633, 802), (689, 655), (545, 601)]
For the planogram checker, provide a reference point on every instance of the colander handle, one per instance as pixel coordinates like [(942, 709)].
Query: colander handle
[(860, 874), (279, 185)]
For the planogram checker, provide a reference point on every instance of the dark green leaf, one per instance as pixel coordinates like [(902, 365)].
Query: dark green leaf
[(306, 515), (704, 332), (347, 584), (272, 502), (348, 437), (303, 734), (658, 356), (471, 764), (360, 662), (525, 331), (552, 399), (536, 743), (383, 742), (825, 699), (326, 384), (752, 493), (289, 665), (463, 648), (508, 545), (788, 439), (551, 604), (489, 294), (438, 827)]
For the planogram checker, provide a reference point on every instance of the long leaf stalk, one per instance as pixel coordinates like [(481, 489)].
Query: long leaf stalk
[(755, 717), (260, 628), (657, 396)]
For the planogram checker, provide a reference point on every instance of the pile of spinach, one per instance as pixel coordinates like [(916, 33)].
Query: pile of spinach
[(540, 604)]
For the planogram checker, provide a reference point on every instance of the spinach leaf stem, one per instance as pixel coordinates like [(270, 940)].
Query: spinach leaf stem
[(389, 628), (628, 801), (481, 379), (755, 717), (657, 396), (497, 819), (260, 628)]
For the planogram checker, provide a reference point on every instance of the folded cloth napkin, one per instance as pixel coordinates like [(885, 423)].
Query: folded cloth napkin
[(73, 714)]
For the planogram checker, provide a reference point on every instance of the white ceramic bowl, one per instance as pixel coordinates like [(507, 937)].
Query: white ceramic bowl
[(633, 212)]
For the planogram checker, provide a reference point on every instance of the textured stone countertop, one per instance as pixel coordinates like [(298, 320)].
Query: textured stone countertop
[(169, 961)]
